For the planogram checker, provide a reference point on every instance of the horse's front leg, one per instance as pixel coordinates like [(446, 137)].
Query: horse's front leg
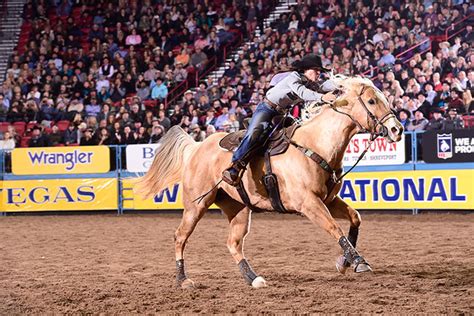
[(239, 228), (319, 214), (340, 209)]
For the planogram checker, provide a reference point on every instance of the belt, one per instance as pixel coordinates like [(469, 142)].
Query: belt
[(276, 107)]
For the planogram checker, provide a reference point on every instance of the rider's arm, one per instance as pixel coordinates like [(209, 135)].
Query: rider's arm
[(297, 87)]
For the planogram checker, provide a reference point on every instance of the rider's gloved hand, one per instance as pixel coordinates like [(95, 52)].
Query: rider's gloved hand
[(329, 97)]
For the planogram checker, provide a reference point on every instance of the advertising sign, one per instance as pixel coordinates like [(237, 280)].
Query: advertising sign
[(380, 151), (59, 195), (169, 199), (422, 189), (61, 160), (453, 146), (140, 157)]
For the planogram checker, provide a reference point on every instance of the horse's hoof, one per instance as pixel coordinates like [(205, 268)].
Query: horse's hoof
[(259, 282), (187, 284), (363, 267), (342, 264)]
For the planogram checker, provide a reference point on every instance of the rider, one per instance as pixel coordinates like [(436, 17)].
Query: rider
[(298, 84)]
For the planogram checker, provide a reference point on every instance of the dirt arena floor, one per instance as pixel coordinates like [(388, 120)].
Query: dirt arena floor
[(105, 263)]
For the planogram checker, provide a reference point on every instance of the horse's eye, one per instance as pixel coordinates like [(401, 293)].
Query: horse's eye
[(371, 101)]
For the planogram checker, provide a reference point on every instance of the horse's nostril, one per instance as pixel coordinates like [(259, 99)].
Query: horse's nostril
[(396, 130)]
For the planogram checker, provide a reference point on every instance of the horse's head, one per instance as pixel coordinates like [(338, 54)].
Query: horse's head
[(369, 108)]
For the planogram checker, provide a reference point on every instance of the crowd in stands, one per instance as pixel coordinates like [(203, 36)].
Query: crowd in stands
[(98, 72)]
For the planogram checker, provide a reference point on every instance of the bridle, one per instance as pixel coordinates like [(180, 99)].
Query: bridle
[(371, 118), (373, 133)]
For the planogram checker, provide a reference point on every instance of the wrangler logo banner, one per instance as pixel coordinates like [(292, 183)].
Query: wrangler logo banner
[(423, 189), (59, 195), (61, 160), (169, 199)]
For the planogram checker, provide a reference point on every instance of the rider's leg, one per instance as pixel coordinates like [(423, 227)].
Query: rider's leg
[(254, 137)]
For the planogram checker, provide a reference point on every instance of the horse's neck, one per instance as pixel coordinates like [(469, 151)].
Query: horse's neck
[(327, 134)]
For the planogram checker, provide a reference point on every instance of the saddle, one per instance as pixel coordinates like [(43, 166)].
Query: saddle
[(277, 144)]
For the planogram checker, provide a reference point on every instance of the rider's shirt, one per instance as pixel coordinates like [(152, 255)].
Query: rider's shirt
[(288, 89)]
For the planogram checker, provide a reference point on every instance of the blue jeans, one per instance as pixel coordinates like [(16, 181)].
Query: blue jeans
[(256, 132)]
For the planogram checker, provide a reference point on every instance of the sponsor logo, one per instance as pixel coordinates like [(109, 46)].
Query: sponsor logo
[(380, 152), (140, 157), (59, 195), (445, 146), (422, 189), (70, 160), (60, 160)]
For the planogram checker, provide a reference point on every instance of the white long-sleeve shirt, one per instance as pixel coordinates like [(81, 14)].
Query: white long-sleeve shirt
[(290, 90)]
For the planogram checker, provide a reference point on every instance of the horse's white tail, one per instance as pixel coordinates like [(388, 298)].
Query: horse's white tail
[(167, 167)]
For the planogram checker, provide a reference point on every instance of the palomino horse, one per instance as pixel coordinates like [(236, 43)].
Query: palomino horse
[(303, 183)]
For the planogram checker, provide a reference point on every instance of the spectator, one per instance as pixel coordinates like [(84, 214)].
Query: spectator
[(56, 136), (38, 139), (71, 135), (222, 119), (157, 132), (8, 142), (143, 90), (163, 120), (103, 137), (452, 121), (133, 39), (196, 133), (128, 136), (159, 91), (93, 109), (87, 139), (436, 123), (456, 102), (142, 136), (106, 69), (209, 119), (404, 117), (179, 74), (419, 123), (199, 59)]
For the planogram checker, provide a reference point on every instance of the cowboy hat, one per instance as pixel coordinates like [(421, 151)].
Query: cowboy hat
[(310, 61)]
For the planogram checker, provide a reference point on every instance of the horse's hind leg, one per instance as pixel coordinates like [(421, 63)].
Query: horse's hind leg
[(319, 214), (239, 222), (340, 209), (191, 216)]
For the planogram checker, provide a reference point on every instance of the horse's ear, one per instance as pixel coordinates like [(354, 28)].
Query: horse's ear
[(339, 103)]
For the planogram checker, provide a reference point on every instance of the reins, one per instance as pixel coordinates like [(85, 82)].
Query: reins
[(373, 134)]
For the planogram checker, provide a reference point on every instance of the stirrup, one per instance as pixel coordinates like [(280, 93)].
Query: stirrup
[(234, 173)]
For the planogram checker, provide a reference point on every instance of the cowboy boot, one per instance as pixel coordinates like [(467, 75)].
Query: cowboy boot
[(233, 174)]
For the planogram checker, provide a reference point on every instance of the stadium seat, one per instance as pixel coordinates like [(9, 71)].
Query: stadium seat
[(468, 121), (24, 141), (62, 125), (4, 127), (20, 127), (149, 103)]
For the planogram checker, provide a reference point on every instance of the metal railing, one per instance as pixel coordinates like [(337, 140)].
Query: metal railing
[(452, 27), (411, 52), (178, 91)]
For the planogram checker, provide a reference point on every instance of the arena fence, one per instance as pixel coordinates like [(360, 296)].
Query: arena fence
[(426, 171)]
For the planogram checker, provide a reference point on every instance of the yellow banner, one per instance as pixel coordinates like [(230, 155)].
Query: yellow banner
[(170, 199), (423, 189), (59, 195), (61, 160)]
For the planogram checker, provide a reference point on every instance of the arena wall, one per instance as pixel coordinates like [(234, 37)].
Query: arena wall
[(98, 178)]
